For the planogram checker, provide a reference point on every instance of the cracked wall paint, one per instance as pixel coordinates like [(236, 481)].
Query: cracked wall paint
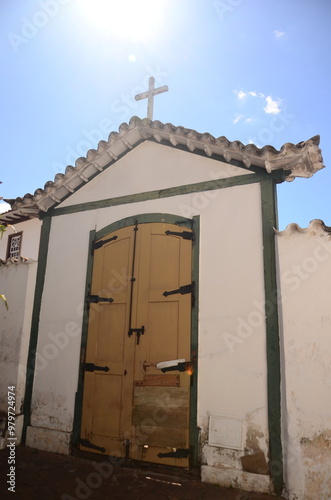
[(228, 461), (255, 440), (49, 411), (316, 454), (17, 283), (223, 466), (304, 270)]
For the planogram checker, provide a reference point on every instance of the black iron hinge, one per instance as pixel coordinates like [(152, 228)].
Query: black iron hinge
[(88, 444), (186, 235), (179, 453), (185, 366), (99, 244), (183, 290), (95, 299), (91, 367)]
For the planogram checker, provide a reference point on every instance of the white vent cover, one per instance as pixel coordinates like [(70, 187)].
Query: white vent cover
[(226, 432)]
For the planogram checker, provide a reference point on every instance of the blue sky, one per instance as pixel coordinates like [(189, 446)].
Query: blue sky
[(251, 70)]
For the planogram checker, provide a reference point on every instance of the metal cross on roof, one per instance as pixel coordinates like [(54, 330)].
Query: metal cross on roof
[(151, 92)]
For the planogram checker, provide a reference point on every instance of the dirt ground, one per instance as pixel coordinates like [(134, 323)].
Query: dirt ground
[(48, 476)]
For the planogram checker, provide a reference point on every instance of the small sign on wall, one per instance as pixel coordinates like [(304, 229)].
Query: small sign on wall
[(226, 432)]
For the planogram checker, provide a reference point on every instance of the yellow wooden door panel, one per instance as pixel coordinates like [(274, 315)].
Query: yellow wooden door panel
[(164, 265), (106, 414), (164, 254), (161, 437), (168, 397), (107, 407), (119, 406), (166, 417), (167, 320), (163, 323), (159, 380), (112, 318)]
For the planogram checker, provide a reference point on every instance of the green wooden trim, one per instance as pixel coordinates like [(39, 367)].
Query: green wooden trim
[(79, 393), (144, 219), (239, 180), (279, 175), (31, 361), (269, 222), (194, 431)]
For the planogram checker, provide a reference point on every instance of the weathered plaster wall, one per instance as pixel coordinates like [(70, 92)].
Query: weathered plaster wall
[(17, 282), (304, 270), (30, 239), (232, 352), (232, 359)]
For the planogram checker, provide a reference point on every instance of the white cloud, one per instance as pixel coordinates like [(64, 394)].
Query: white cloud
[(241, 94), (272, 106), (4, 207), (237, 118), (279, 34)]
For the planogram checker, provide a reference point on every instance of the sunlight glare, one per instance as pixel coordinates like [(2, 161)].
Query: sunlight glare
[(129, 19)]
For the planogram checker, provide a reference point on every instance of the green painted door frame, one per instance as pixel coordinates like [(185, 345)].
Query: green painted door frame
[(269, 222), (130, 221), (31, 362)]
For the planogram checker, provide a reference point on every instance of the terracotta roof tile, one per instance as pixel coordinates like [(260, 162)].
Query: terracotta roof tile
[(300, 160), (315, 226)]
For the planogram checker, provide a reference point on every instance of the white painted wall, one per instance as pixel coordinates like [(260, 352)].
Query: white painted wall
[(17, 282), (30, 240), (304, 270), (232, 350), (232, 357), (232, 374)]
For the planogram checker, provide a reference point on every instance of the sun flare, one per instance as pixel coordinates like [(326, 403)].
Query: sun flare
[(128, 19)]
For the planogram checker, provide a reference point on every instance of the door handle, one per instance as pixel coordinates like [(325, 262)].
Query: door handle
[(138, 331)]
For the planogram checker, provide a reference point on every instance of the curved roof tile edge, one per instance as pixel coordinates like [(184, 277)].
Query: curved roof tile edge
[(302, 159), (315, 225)]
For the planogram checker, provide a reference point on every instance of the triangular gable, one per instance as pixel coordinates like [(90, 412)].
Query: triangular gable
[(301, 160), (149, 167)]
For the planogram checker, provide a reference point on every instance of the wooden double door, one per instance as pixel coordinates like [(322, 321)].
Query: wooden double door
[(139, 315)]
